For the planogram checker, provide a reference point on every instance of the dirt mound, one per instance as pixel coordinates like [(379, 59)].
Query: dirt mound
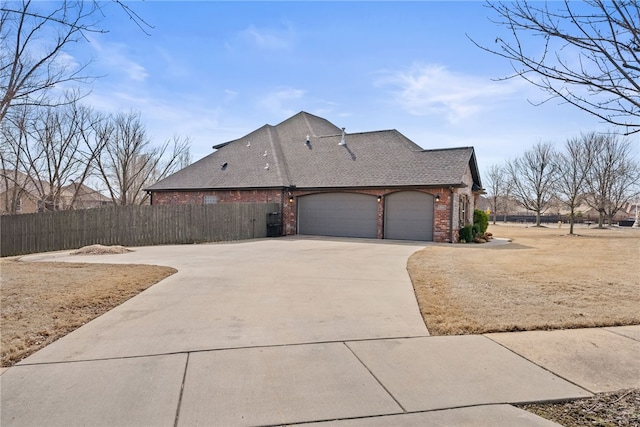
[(101, 250)]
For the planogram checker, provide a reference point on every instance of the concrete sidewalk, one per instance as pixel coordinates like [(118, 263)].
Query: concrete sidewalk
[(291, 331)]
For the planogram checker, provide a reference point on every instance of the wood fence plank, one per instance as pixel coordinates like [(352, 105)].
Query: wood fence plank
[(133, 226)]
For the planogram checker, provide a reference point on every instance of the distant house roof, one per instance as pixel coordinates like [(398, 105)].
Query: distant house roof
[(10, 178), (305, 151), (84, 193)]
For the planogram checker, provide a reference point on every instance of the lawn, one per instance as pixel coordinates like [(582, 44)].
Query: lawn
[(543, 279), (43, 301)]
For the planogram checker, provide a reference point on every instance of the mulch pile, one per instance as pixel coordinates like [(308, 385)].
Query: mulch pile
[(101, 250)]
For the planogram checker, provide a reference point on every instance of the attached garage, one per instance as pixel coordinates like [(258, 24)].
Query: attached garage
[(328, 182), (408, 216), (338, 214)]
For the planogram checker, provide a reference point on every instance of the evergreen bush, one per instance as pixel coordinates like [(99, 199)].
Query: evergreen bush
[(466, 234), (481, 219)]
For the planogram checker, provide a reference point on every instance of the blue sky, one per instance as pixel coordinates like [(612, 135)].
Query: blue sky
[(215, 71)]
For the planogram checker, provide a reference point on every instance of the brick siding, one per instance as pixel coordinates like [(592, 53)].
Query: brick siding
[(288, 201)]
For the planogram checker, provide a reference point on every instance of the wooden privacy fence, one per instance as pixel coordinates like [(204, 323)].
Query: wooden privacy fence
[(133, 226)]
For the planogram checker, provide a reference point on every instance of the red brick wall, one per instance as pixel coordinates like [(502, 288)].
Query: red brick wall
[(223, 196), (441, 208)]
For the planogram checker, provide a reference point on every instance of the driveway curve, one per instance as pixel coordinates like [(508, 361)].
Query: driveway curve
[(273, 332), (255, 293)]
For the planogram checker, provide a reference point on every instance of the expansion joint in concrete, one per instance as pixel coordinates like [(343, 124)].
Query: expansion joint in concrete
[(540, 366), (375, 377), (184, 379)]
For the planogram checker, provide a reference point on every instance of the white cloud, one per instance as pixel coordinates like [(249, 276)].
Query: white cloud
[(426, 90), (269, 38), (164, 118), (282, 101), (230, 95), (65, 61), (113, 58), (172, 65)]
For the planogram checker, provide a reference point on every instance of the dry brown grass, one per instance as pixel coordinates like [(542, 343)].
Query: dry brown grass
[(42, 302), (544, 279), (620, 408)]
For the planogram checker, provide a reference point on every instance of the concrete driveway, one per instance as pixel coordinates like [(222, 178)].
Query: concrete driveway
[(271, 332), (256, 293)]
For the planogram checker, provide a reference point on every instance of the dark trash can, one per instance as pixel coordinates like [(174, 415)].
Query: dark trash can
[(274, 224)]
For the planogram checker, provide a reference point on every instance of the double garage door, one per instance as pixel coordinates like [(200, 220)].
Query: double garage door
[(408, 215)]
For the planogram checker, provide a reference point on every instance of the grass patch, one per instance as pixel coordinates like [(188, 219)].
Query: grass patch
[(43, 301), (544, 279)]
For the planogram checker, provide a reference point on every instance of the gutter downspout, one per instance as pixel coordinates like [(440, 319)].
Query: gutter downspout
[(451, 217)]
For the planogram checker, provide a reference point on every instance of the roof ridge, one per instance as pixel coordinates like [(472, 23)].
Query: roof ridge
[(306, 120), (219, 146), (278, 156), (447, 149)]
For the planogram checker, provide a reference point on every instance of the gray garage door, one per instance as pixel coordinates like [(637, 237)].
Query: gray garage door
[(338, 214), (408, 216)]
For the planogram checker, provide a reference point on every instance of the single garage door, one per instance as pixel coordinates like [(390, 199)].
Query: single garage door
[(408, 216), (338, 214)]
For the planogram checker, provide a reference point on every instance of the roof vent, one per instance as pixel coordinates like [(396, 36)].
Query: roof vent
[(265, 154), (224, 166), (266, 167), (342, 141), (249, 144), (307, 141)]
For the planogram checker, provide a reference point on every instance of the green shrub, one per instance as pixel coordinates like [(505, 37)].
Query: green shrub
[(481, 219), (466, 233)]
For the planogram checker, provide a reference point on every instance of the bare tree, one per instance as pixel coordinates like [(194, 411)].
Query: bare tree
[(573, 166), (584, 53), (130, 163), (532, 177), (623, 189), (33, 36), (505, 202), (613, 177), (44, 150), (496, 184), (13, 138), (60, 150)]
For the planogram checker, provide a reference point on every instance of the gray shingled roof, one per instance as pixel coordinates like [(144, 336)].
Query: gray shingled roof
[(369, 159)]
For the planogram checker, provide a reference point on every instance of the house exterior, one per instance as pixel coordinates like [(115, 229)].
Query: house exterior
[(328, 182), (80, 196), (19, 193)]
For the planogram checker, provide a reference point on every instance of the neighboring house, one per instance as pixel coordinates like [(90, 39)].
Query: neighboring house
[(371, 184), (19, 194), (85, 197)]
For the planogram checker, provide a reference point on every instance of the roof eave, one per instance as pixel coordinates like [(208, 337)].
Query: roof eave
[(191, 189), (313, 188)]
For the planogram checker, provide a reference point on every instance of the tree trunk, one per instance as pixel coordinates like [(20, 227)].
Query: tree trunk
[(571, 220)]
